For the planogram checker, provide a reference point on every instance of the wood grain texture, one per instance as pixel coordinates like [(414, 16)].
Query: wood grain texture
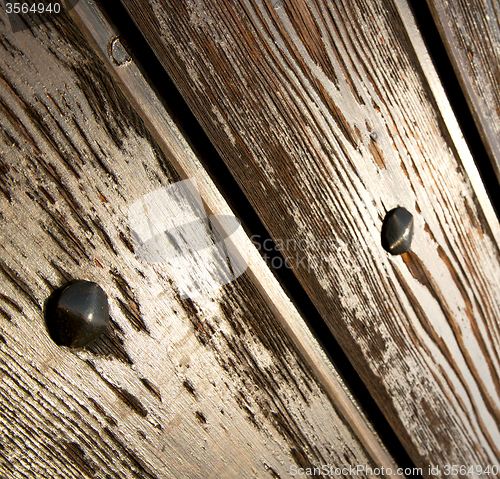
[(176, 387), (471, 33), (149, 105), (292, 93)]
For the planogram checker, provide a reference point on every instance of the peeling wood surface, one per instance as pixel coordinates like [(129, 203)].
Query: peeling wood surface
[(138, 90), (328, 119), (212, 387), (471, 34)]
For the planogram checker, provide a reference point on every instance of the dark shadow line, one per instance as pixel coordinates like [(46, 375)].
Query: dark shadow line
[(252, 224), (457, 99)]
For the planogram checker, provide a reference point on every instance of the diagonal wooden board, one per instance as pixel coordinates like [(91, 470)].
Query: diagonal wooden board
[(228, 385), (329, 114), (471, 34)]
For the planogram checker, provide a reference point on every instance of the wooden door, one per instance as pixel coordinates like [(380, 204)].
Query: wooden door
[(328, 115)]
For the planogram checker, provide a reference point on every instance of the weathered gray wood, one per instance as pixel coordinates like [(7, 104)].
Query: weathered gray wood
[(471, 33), (212, 387), (326, 113), (172, 141)]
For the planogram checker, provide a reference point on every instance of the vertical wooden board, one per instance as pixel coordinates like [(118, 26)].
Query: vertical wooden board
[(211, 387), (471, 33), (324, 115)]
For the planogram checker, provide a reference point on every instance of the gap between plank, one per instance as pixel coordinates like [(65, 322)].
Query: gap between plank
[(456, 97), (486, 191), (192, 131)]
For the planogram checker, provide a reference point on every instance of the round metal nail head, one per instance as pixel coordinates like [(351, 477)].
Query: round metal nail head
[(118, 51), (397, 231), (76, 314)]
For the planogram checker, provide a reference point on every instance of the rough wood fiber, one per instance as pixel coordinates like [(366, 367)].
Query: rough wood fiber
[(471, 33), (176, 388), (138, 90), (324, 115)]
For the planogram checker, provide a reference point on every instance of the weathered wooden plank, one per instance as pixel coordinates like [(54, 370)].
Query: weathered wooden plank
[(471, 33), (328, 114), (207, 387), (132, 81)]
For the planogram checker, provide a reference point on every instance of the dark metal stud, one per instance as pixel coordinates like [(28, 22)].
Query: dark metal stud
[(397, 231), (76, 314), (118, 51)]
